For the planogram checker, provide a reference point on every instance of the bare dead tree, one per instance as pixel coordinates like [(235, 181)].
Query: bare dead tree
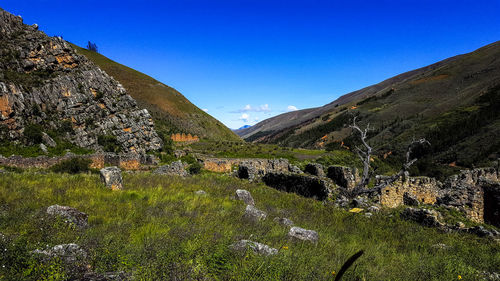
[(360, 189), (363, 154)]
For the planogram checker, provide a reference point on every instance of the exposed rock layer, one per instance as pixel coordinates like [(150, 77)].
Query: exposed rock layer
[(44, 81)]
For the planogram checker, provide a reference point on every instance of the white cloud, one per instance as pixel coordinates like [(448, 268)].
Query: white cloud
[(264, 108), (244, 117), (204, 109), (291, 108), (249, 108)]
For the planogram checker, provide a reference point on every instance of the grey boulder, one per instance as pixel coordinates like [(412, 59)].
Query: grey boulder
[(70, 215), (258, 248), (254, 214), (303, 234), (245, 196), (112, 177)]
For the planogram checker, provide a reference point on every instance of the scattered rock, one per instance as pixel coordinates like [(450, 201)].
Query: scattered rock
[(258, 248), (360, 202), (315, 169), (423, 216), (68, 253), (245, 196), (440, 246), (303, 234), (200, 193), (108, 276), (44, 148), (71, 215), (410, 199), (482, 232), (489, 276), (112, 177), (176, 168), (179, 153), (342, 201), (254, 214), (294, 169), (283, 221), (373, 209), (47, 140), (368, 215)]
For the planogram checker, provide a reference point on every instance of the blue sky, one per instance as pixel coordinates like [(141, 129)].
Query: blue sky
[(244, 61)]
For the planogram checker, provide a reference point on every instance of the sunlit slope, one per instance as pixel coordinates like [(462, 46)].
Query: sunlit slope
[(172, 112)]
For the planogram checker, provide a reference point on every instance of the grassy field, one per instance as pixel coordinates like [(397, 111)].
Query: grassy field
[(158, 229)]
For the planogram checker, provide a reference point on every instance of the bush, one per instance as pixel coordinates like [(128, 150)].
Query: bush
[(109, 143), (72, 166), (195, 168), (33, 133)]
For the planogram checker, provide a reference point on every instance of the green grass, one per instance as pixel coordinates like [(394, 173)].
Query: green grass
[(158, 229)]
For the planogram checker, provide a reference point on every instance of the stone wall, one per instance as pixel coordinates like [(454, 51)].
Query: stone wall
[(302, 184), (261, 166), (424, 189), (99, 160), (184, 138), (474, 192)]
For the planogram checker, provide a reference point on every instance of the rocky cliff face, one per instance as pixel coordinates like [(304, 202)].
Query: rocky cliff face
[(44, 82)]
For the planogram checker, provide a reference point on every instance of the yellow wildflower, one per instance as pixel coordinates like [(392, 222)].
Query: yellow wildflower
[(285, 247), (333, 272), (459, 277), (355, 210)]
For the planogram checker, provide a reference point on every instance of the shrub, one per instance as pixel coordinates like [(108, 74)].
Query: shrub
[(33, 133), (66, 127), (109, 143), (72, 166), (195, 168)]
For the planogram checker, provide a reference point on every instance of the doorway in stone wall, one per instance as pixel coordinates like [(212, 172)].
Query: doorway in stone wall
[(492, 204)]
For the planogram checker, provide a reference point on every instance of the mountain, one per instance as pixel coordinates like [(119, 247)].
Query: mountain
[(50, 93), (454, 103), (171, 111), (241, 128)]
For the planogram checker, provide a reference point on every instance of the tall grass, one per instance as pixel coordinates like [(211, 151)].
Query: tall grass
[(158, 229)]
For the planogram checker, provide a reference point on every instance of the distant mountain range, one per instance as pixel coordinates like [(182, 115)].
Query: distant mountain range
[(241, 128), (454, 103)]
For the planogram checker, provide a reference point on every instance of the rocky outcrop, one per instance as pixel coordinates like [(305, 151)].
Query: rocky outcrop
[(45, 85), (70, 215), (344, 176), (304, 185), (283, 221), (424, 217), (112, 178), (176, 168), (258, 248), (245, 196), (303, 234)]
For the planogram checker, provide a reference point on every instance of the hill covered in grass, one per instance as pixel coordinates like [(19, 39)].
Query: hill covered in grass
[(453, 103), (171, 111), (158, 228)]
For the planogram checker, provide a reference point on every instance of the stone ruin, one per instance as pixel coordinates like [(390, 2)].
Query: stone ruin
[(129, 161)]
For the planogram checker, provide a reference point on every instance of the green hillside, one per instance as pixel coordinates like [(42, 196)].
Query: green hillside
[(172, 112), (454, 104)]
